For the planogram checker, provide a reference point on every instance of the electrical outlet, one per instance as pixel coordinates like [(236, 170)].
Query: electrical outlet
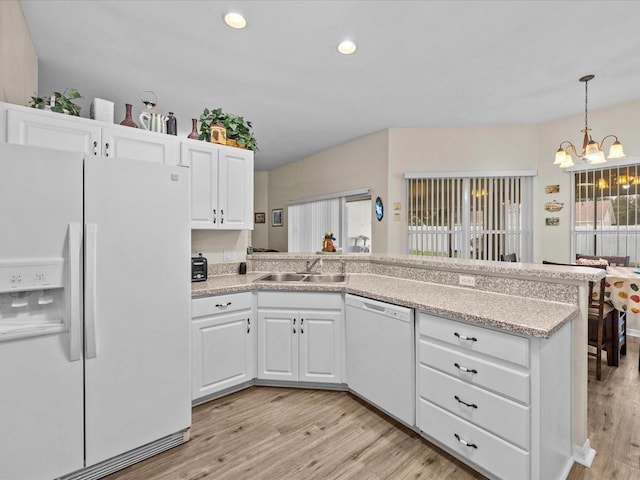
[(466, 281), (228, 255)]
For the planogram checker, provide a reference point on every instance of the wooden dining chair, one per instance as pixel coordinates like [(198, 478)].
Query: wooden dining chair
[(614, 261), (510, 257), (602, 319)]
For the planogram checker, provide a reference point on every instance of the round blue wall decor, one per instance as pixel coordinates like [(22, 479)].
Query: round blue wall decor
[(379, 209)]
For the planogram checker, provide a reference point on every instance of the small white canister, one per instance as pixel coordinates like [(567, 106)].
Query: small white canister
[(101, 110)]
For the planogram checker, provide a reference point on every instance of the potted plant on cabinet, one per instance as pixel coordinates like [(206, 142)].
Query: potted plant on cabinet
[(59, 102), (238, 129)]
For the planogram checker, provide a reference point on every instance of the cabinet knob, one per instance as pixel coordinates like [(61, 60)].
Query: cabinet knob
[(221, 305), (95, 148), (106, 149)]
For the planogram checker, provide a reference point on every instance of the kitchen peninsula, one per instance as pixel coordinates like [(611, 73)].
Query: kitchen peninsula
[(536, 310)]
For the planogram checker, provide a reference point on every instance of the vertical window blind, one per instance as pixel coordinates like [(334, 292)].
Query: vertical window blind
[(606, 214), (308, 222), (470, 216)]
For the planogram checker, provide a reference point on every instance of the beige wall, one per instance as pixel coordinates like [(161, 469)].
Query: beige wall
[(362, 162), (18, 59), (453, 149), (213, 243), (260, 234), (554, 243), (357, 164)]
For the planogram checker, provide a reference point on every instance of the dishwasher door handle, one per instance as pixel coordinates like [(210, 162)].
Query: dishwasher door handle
[(375, 308)]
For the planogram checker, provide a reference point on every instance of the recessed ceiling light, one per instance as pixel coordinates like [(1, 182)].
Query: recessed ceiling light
[(235, 20), (347, 47)]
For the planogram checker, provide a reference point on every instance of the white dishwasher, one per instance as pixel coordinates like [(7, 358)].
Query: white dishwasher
[(380, 355)]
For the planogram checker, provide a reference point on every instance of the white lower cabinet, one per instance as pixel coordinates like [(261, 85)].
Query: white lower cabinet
[(223, 343), (498, 401), (300, 337)]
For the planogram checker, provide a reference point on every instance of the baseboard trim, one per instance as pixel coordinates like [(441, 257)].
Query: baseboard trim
[(584, 454), (340, 387)]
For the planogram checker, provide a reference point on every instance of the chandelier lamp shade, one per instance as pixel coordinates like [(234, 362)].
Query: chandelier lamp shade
[(592, 151)]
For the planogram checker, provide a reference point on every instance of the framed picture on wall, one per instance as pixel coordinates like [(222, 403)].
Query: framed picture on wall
[(276, 217), (259, 217)]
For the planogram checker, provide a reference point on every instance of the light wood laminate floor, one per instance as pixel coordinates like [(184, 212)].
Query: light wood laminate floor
[(266, 433)]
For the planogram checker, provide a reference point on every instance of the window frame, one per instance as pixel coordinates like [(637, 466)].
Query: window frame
[(627, 162), (468, 181)]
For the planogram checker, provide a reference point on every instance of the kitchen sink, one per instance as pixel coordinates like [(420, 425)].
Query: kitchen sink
[(282, 277), (303, 277), (326, 278)]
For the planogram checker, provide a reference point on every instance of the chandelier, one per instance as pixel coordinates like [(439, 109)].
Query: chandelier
[(591, 150)]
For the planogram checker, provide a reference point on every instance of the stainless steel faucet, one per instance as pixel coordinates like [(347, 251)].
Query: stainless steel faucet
[(310, 265)]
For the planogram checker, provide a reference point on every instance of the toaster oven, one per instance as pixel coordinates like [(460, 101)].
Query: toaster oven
[(198, 268)]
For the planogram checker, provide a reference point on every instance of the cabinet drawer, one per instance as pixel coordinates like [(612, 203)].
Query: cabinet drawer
[(500, 416), (474, 370), (300, 300), (221, 304), (501, 345), (490, 452)]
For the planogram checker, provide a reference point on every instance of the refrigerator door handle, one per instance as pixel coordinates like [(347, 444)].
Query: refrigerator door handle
[(75, 289), (91, 231)]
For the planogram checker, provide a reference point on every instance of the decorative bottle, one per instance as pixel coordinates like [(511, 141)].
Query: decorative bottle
[(194, 130), (128, 121), (172, 125)]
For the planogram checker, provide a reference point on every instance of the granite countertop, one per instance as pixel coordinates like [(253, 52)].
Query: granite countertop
[(532, 317), (484, 267)]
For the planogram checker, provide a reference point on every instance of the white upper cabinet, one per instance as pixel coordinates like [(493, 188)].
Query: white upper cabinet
[(40, 128), (221, 185), (127, 142), (3, 122)]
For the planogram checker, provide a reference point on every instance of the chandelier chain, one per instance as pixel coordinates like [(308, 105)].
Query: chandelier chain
[(586, 103)]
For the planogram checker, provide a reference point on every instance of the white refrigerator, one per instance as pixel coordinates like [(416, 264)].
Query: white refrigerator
[(94, 312)]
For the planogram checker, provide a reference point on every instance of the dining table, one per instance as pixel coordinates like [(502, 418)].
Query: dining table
[(622, 291)]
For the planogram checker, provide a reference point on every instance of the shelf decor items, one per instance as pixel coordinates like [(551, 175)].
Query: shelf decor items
[(128, 119), (238, 129), (59, 102)]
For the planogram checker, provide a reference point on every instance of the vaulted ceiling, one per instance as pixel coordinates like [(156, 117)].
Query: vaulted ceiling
[(418, 63)]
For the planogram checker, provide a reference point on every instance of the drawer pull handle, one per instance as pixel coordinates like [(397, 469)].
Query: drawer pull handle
[(464, 442), (464, 337), (472, 405), (220, 305), (465, 369)]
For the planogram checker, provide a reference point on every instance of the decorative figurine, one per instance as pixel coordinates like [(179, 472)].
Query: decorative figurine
[(327, 242)]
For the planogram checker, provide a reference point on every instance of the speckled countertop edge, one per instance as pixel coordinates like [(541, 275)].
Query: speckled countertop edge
[(522, 270), (492, 309)]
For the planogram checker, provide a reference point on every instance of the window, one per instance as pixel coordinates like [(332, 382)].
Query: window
[(470, 216), (606, 212), (309, 220)]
